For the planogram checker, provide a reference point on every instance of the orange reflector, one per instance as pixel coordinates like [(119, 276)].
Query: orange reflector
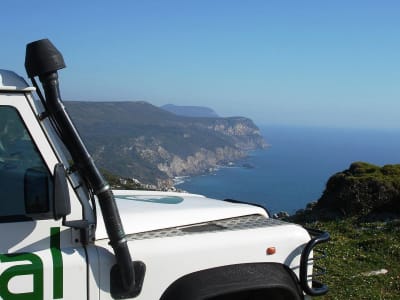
[(271, 250)]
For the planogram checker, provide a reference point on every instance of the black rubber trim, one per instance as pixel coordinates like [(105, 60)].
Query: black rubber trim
[(248, 203), (15, 218), (118, 291), (266, 279)]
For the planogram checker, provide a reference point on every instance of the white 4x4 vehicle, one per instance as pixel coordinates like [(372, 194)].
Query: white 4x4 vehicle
[(55, 244)]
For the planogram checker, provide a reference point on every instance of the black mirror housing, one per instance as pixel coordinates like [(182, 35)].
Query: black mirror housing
[(62, 204)]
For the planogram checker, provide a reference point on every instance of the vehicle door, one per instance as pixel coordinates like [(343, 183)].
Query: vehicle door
[(39, 257)]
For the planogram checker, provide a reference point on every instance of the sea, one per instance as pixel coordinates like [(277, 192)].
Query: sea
[(294, 169)]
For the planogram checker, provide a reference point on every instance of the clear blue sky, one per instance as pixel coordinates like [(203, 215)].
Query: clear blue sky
[(314, 63)]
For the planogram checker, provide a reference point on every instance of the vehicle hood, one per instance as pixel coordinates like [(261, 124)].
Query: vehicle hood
[(143, 211)]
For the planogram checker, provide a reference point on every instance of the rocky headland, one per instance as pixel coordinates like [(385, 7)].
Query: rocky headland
[(141, 141), (363, 191)]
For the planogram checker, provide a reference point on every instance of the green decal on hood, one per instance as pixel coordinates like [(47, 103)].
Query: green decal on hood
[(152, 199)]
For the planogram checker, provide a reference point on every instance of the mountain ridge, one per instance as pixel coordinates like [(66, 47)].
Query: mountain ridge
[(190, 111)]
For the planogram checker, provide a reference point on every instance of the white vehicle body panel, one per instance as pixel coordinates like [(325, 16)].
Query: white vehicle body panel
[(168, 258), (10, 81), (151, 210)]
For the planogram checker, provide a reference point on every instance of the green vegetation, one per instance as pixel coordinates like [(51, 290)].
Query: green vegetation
[(355, 250), (119, 183), (388, 174)]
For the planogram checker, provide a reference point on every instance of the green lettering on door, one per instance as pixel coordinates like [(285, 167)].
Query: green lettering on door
[(35, 268), (57, 263)]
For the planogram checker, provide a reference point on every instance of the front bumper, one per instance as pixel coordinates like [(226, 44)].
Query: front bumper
[(317, 288)]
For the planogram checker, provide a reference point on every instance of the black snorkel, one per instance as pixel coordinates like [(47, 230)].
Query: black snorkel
[(44, 60)]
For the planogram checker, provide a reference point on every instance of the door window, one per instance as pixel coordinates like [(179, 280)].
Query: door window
[(19, 156)]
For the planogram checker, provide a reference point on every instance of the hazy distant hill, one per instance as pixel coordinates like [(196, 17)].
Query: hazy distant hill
[(190, 111), (137, 139)]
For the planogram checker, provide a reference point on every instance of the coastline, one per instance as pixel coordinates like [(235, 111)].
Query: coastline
[(179, 180), (240, 163)]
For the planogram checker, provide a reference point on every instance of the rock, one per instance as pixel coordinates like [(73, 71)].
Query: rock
[(364, 190), (375, 273), (281, 215), (247, 166)]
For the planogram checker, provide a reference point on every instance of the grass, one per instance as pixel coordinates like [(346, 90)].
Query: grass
[(356, 249)]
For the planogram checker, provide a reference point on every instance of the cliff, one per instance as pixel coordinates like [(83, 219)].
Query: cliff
[(139, 140)]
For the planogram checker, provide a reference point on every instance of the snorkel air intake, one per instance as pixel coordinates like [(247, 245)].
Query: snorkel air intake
[(44, 60)]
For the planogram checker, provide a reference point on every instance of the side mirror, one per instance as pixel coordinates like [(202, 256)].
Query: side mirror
[(46, 198)]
